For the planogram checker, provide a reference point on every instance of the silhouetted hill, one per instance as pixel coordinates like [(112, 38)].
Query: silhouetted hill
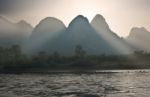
[(140, 38), (79, 32), (13, 33), (51, 35), (43, 34), (117, 43), (25, 28)]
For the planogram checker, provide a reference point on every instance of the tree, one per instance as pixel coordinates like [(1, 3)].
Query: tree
[(79, 52), (139, 52), (56, 57), (16, 50)]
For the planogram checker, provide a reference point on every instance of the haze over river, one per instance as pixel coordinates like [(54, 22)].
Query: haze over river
[(119, 83)]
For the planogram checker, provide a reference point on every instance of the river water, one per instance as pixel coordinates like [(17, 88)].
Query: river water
[(127, 83)]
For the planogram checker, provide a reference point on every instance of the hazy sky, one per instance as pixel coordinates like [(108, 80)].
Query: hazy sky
[(121, 15)]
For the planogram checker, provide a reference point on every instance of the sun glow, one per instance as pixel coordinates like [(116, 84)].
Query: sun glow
[(66, 10)]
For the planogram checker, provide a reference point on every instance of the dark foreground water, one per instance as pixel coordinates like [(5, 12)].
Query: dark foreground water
[(117, 84)]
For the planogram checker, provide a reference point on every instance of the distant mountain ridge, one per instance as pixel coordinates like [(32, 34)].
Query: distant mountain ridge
[(79, 32), (140, 38), (13, 33), (51, 35), (100, 25), (43, 33)]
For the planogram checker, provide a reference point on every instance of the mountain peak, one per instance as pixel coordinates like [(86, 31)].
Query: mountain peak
[(50, 20), (98, 16), (80, 17), (23, 23), (4, 20), (139, 37), (139, 29), (48, 24), (79, 20), (99, 24), (47, 27), (1, 17)]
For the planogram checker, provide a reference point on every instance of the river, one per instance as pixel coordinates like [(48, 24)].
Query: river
[(116, 83)]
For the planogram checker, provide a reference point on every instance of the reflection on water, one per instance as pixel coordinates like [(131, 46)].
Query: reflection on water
[(120, 84)]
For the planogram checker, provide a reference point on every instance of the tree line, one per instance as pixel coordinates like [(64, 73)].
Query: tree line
[(13, 59)]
